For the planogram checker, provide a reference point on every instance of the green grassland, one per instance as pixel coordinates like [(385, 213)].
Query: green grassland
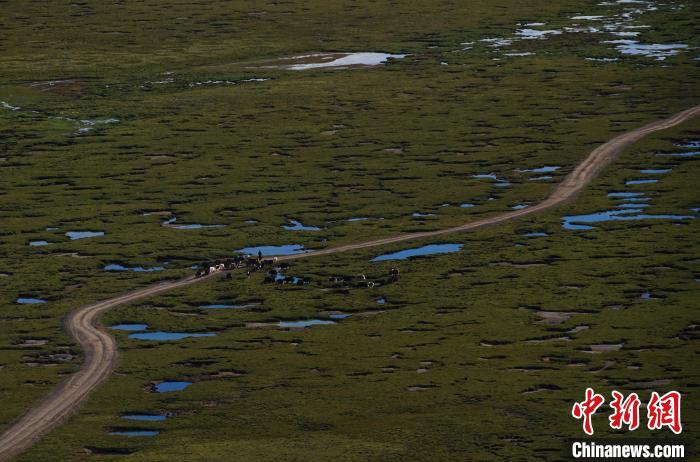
[(457, 364)]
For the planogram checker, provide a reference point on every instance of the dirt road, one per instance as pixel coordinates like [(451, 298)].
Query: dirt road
[(578, 179), (100, 350)]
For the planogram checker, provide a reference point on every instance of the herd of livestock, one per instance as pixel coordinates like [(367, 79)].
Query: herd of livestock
[(237, 262), (275, 273)]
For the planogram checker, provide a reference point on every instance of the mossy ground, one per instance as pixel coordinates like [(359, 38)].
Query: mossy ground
[(322, 147)]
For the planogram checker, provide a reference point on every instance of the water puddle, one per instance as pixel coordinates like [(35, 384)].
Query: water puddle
[(535, 34), (75, 235), (336, 60), (625, 194), (211, 82), (136, 269), (656, 171), (8, 106), (433, 249), (536, 234), (491, 176), (303, 323), (588, 18), (161, 336), (132, 433), (554, 318), (654, 50), (295, 225), (629, 206), (339, 315), (687, 145), (681, 154), (545, 169), (605, 347), (221, 306), (273, 250), (518, 54), (633, 206), (170, 386), (129, 327), (422, 215), (30, 301), (38, 243), (145, 417), (641, 181), (485, 176), (620, 25), (574, 222), (82, 125), (30, 342), (196, 226), (170, 224), (466, 205), (87, 125)]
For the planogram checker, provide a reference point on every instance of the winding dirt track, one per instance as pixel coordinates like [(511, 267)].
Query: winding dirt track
[(100, 349)]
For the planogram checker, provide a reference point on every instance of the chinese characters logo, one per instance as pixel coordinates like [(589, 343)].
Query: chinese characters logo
[(662, 411)]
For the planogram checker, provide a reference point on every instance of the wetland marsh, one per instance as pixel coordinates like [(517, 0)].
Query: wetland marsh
[(133, 150)]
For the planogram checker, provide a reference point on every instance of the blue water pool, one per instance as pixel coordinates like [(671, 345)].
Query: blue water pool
[(168, 336), (295, 225), (432, 249), (129, 327), (269, 250), (575, 222), (169, 386), (136, 269), (641, 181), (135, 433), (30, 301), (145, 417), (304, 323), (75, 235)]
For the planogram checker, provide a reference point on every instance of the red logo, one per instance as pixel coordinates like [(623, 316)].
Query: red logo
[(585, 409), (662, 411), (626, 412), (665, 411)]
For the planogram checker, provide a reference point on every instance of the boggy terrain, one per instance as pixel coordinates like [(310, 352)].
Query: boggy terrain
[(100, 350), (174, 137)]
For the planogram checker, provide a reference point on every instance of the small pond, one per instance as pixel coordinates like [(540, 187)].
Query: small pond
[(329, 60), (161, 336), (136, 269), (75, 235), (623, 214), (432, 249), (169, 386), (295, 225), (145, 417), (223, 306), (135, 433), (270, 250), (129, 327), (30, 301), (303, 323)]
